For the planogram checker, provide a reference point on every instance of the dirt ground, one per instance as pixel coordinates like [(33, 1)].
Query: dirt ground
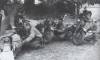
[(63, 51)]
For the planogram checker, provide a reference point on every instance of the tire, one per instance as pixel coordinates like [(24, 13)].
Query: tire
[(48, 36), (38, 43), (78, 38)]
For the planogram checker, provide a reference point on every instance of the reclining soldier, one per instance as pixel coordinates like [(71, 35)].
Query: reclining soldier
[(30, 35)]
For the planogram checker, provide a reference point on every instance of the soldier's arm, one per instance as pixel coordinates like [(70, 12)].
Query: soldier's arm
[(30, 37)]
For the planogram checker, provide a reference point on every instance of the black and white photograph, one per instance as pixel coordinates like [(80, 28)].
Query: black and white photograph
[(49, 29)]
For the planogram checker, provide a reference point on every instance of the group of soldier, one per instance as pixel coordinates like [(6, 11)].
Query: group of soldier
[(35, 33)]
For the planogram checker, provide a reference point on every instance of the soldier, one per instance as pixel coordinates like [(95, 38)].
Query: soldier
[(86, 20), (30, 32)]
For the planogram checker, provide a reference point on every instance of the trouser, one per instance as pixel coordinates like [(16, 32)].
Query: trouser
[(34, 43)]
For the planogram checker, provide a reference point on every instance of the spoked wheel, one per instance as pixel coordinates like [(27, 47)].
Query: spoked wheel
[(78, 38), (48, 36)]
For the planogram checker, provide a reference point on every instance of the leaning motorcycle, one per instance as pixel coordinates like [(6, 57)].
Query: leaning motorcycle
[(80, 37)]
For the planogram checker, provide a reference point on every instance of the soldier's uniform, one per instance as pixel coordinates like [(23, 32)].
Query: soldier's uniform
[(86, 21), (30, 33)]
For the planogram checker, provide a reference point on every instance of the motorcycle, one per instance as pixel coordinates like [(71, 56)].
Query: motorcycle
[(46, 32), (60, 31), (80, 37)]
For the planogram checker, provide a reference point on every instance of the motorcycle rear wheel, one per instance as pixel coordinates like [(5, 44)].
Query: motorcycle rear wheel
[(78, 38)]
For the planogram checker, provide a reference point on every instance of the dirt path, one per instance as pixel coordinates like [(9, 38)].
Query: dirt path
[(63, 51)]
